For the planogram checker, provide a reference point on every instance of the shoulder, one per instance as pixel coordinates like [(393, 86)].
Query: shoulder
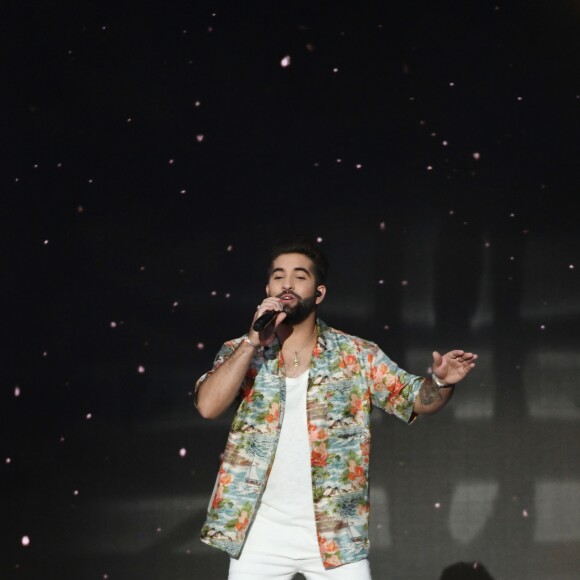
[(343, 340)]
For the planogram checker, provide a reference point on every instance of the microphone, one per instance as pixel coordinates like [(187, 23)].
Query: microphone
[(265, 319)]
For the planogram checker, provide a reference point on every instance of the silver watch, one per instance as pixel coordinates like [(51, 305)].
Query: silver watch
[(439, 382)]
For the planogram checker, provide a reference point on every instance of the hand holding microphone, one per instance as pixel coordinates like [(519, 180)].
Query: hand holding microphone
[(266, 317), (262, 321)]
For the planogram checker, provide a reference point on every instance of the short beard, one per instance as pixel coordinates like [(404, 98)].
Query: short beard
[(299, 313)]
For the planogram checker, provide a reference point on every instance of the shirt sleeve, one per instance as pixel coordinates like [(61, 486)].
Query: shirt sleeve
[(223, 354), (392, 389)]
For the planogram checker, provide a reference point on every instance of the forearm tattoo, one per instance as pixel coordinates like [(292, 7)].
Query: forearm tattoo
[(429, 393)]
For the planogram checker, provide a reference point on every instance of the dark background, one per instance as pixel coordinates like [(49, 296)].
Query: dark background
[(150, 154)]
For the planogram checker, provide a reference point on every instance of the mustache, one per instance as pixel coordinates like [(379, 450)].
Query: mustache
[(289, 292)]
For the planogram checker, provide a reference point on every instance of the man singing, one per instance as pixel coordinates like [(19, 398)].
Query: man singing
[(292, 491)]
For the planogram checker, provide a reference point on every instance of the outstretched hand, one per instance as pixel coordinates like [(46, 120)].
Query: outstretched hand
[(453, 366)]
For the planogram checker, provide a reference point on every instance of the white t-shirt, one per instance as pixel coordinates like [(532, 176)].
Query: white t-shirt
[(285, 519)]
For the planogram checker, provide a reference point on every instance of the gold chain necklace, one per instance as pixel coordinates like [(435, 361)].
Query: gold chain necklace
[(296, 362)]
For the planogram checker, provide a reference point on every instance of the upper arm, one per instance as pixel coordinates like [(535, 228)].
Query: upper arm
[(392, 388)]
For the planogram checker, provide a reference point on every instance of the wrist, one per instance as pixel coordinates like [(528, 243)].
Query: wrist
[(439, 383), (254, 346)]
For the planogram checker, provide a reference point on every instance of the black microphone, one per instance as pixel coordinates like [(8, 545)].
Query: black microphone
[(265, 319)]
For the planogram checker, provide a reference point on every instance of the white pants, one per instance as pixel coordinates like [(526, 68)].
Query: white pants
[(259, 566), (275, 551)]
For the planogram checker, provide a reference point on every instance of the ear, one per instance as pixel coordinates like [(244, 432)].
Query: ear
[(320, 293), (267, 289)]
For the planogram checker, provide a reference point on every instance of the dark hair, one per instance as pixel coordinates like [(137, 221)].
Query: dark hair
[(301, 245), (466, 571)]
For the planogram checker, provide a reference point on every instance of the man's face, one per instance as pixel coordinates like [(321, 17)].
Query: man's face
[(292, 280)]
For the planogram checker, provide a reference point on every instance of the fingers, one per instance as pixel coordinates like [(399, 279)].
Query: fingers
[(467, 357), (461, 356), (266, 335), (269, 303)]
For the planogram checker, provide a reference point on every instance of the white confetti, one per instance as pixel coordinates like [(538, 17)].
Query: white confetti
[(182, 452), (285, 61), (25, 541)]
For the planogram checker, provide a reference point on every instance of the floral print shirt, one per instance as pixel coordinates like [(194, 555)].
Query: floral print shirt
[(348, 376)]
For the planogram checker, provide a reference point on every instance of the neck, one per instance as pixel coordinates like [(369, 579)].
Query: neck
[(294, 335), (297, 349)]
